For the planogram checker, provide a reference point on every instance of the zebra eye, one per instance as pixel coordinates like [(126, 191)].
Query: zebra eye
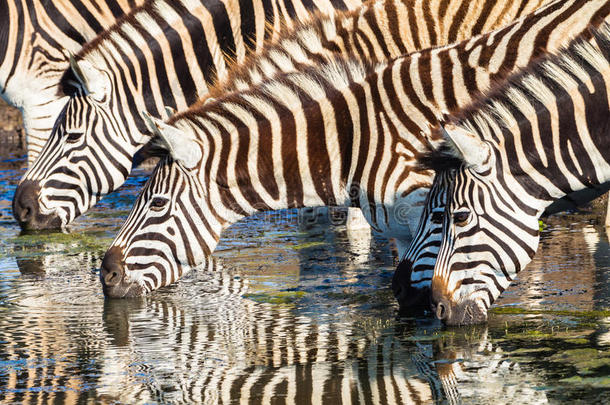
[(461, 218), (436, 217), (158, 203), (73, 137)]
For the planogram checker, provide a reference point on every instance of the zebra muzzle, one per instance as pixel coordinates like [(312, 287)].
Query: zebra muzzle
[(112, 276), (468, 312), (410, 299), (26, 208)]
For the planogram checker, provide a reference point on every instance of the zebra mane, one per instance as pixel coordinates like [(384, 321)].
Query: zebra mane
[(304, 33), (309, 83), (441, 158), (493, 108), (301, 42)]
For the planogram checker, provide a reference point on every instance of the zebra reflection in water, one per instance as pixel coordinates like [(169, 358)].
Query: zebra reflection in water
[(252, 352), (219, 346)]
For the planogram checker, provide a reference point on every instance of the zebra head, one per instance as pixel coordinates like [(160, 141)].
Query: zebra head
[(170, 228), (486, 237), (88, 154)]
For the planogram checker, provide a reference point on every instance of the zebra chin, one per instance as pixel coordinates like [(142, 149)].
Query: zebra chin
[(124, 290), (27, 210)]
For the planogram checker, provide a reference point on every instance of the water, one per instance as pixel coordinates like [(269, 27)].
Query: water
[(291, 314)]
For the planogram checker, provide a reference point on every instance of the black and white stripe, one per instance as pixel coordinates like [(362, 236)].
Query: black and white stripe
[(156, 58), (340, 133), (36, 39), (532, 142)]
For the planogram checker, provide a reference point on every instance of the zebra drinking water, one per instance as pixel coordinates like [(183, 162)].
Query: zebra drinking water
[(165, 53), (504, 161), (139, 65), (337, 134)]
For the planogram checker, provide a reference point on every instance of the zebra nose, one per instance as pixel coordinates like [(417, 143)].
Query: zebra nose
[(25, 202), (465, 312), (112, 271), (443, 310), (26, 208)]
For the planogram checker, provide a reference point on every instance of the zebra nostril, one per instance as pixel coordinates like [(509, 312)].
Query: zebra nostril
[(443, 310), (111, 277), (24, 214), (112, 271), (25, 202)]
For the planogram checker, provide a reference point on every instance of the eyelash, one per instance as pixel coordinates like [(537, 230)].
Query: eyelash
[(158, 203)]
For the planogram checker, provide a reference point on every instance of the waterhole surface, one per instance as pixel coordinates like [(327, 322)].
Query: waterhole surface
[(292, 312)]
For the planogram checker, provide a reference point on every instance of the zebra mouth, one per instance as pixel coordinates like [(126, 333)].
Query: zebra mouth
[(30, 212), (123, 290)]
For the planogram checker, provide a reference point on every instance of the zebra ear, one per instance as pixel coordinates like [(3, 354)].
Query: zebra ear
[(468, 147), (95, 82), (181, 146), (169, 111)]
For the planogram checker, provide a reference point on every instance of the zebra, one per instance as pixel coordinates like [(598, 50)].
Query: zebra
[(36, 39), (184, 46), (249, 151), (504, 160), (90, 150)]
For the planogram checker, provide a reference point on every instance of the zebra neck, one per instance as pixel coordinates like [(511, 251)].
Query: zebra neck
[(243, 190)]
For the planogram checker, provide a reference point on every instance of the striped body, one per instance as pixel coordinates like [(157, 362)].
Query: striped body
[(336, 134), (91, 148), (36, 38), (534, 141)]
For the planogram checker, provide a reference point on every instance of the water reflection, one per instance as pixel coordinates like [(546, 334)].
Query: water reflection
[(292, 314), (252, 352), (219, 346), (217, 339)]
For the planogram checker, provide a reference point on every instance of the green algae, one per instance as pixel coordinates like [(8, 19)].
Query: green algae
[(307, 245), (541, 225), (598, 382), (577, 341), (108, 214), (575, 314), (534, 334), (530, 351), (276, 297), (585, 360), (37, 244)]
